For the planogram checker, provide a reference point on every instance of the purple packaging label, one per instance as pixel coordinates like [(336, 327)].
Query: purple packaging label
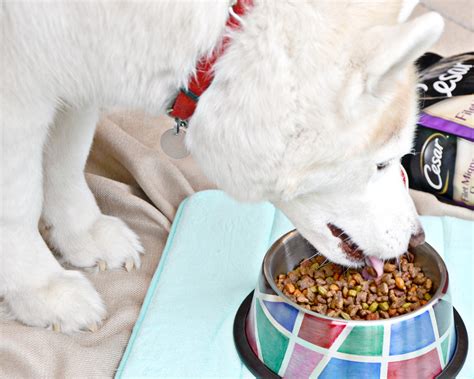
[(446, 126)]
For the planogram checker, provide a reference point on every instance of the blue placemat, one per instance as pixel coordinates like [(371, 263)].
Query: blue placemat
[(211, 262)]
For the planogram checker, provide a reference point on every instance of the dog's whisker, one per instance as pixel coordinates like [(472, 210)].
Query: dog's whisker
[(311, 257), (348, 239), (345, 271), (326, 261)]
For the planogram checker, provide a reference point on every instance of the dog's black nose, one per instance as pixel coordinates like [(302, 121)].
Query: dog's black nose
[(417, 238)]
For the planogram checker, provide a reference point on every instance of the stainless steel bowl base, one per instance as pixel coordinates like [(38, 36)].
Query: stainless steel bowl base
[(257, 368)]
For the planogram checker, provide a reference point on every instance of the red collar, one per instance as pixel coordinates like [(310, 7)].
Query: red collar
[(186, 101)]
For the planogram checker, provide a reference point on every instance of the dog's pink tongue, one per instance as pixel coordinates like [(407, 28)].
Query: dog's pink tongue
[(376, 263)]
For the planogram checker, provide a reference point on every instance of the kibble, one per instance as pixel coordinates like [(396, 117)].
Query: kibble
[(322, 290), (384, 306), (373, 307), (332, 290), (345, 316), (399, 282)]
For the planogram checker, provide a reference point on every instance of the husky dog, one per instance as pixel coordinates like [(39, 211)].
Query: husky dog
[(311, 107)]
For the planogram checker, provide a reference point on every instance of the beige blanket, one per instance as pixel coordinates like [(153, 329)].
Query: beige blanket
[(134, 180)]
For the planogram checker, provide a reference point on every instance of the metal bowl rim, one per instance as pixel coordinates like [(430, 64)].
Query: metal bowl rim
[(291, 234)]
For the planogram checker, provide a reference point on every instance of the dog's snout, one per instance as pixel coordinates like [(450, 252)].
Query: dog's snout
[(417, 238)]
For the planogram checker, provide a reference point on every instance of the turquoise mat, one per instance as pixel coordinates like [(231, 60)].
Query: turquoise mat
[(211, 262)]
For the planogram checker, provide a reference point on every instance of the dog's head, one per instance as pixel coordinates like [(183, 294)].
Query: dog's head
[(317, 124)]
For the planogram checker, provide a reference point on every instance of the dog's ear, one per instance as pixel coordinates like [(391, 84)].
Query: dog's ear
[(390, 49)]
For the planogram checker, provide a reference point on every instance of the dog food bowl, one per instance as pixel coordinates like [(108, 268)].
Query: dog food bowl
[(277, 338)]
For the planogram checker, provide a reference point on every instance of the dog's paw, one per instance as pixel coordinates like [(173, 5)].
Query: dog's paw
[(67, 302), (108, 244)]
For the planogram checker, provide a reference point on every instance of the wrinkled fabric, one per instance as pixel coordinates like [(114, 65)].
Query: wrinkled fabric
[(133, 179)]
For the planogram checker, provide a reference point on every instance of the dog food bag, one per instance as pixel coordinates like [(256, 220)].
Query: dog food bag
[(443, 159)]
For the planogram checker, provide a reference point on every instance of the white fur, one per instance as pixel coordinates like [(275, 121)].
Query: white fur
[(287, 119), (407, 8)]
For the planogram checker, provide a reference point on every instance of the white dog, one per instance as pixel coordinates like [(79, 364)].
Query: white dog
[(311, 107)]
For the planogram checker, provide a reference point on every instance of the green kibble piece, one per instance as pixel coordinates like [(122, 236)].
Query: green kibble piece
[(315, 266), (322, 291), (427, 296), (352, 293), (406, 305), (365, 306), (345, 316), (358, 288), (313, 289), (373, 307), (384, 306)]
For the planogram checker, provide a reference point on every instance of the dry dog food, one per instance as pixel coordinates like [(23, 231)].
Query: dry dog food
[(335, 291)]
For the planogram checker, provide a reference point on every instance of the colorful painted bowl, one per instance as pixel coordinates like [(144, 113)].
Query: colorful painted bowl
[(294, 342)]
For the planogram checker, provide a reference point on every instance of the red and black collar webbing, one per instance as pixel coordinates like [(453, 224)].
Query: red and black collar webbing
[(187, 99)]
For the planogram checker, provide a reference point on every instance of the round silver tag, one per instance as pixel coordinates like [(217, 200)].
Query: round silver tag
[(172, 143)]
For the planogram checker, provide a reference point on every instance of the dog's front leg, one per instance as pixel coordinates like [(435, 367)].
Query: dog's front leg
[(77, 228), (35, 288)]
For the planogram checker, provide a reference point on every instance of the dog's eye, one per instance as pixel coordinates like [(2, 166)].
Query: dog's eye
[(381, 166)]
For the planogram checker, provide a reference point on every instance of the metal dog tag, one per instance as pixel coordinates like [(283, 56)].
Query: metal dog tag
[(172, 141)]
